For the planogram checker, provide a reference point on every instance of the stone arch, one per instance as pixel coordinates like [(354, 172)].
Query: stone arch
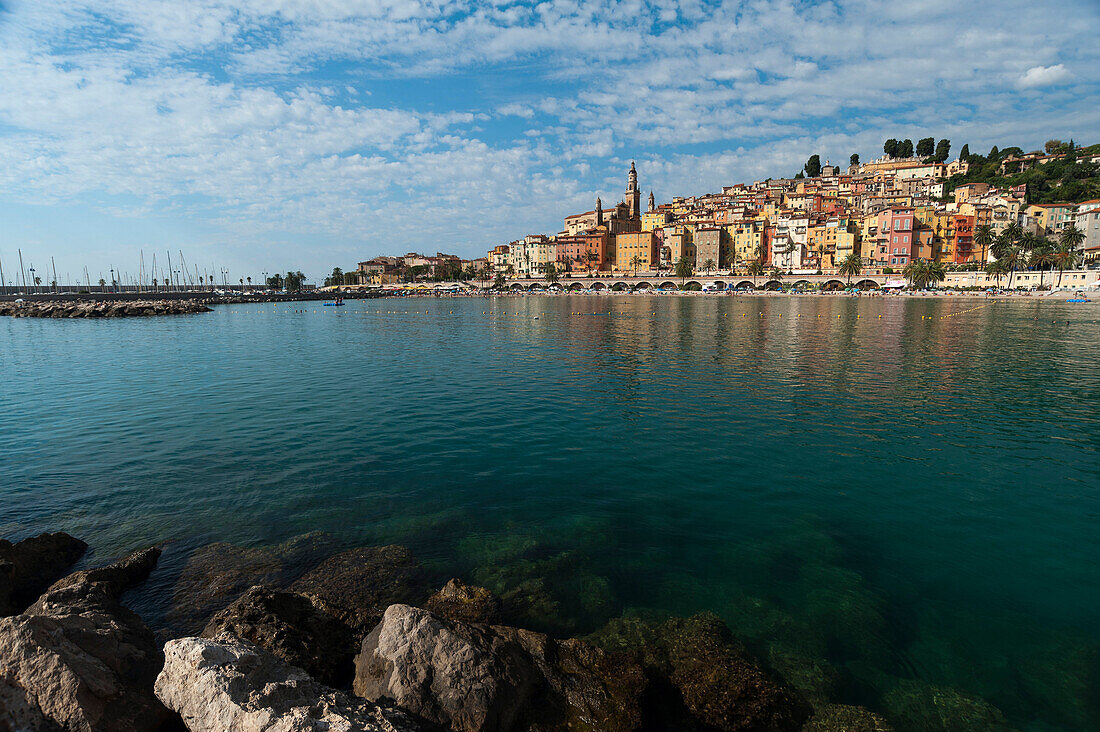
[(536, 286), (668, 285), (773, 285), (802, 283), (642, 286), (720, 284), (866, 284), (598, 286), (832, 286), (515, 286), (619, 286), (745, 284), (575, 286), (692, 286)]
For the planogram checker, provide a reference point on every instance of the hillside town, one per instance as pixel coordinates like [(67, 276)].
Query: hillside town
[(885, 214)]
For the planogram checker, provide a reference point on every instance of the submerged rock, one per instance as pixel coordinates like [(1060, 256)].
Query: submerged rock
[(702, 677), (217, 574), (293, 627), (916, 705), (357, 585), (227, 684), (28, 567), (78, 660), (844, 718), (466, 603), (473, 677)]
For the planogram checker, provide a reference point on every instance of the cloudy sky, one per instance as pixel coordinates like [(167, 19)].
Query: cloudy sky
[(276, 134)]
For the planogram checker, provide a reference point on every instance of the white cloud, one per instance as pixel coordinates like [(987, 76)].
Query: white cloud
[(1038, 76), (227, 112)]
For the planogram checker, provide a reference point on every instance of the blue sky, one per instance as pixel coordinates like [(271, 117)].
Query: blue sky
[(274, 134)]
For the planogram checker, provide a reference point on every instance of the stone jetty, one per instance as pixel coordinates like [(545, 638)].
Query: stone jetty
[(101, 309)]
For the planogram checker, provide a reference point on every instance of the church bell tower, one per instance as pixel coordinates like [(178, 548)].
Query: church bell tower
[(633, 196)]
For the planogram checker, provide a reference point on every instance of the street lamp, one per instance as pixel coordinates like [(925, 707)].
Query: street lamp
[(33, 283)]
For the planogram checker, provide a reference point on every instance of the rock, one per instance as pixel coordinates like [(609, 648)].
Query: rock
[(295, 629), (699, 670), (844, 718), (28, 567), (227, 684), (916, 705), (357, 585), (69, 309), (465, 603), (79, 660), (217, 574), (472, 677)]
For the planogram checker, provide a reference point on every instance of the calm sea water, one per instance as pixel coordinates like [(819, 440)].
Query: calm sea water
[(889, 504)]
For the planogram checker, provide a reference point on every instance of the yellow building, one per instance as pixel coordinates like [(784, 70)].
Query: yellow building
[(636, 251), (652, 220), (830, 241), (747, 239)]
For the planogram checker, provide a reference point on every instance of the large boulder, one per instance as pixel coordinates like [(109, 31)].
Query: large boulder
[(702, 678), (227, 684), (217, 574), (293, 627), (473, 677), (78, 660), (359, 584), (28, 567)]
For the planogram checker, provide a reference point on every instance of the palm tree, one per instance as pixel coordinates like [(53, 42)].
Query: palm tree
[(498, 281), (1006, 239), (1071, 236), (102, 284), (731, 256), (996, 269), (1042, 257), (249, 282), (983, 237), (683, 269), (1013, 256), (922, 272), (634, 262), (551, 273), (709, 265), (755, 268), (851, 266), (1065, 257)]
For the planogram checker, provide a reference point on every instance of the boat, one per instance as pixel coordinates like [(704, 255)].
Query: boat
[(335, 304), (1079, 299)]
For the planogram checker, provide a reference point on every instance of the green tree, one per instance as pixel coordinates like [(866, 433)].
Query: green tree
[(890, 147), (498, 281), (943, 150), (996, 269), (851, 266), (755, 268), (684, 269), (813, 166), (709, 266), (551, 272), (921, 273), (1042, 257), (853, 159), (905, 148), (102, 284), (965, 152), (994, 154), (925, 147), (1013, 257), (984, 237), (634, 262), (336, 278), (1066, 257), (1071, 236), (294, 281)]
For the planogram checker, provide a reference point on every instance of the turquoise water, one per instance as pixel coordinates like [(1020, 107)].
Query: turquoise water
[(879, 499)]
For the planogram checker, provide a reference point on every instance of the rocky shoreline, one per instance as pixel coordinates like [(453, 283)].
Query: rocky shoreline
[(101, 309), (306, 636)]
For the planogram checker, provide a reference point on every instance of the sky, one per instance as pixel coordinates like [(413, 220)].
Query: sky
[(265, 135)]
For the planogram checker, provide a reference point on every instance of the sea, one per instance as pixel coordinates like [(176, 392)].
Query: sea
[(892, 501)]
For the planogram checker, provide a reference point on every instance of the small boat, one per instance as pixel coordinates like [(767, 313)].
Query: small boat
[(1079, 299), (337, 304)]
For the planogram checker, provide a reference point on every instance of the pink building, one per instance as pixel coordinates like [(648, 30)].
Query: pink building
[(897, 241)]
